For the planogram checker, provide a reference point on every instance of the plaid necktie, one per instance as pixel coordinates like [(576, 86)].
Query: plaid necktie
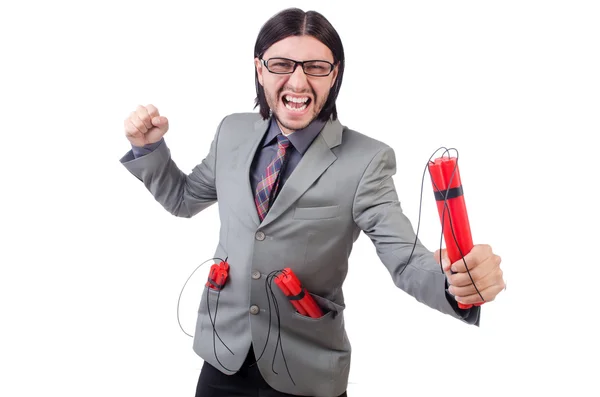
[(270, 181)]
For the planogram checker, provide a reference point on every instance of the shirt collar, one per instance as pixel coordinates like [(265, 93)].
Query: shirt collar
[(300, 139)]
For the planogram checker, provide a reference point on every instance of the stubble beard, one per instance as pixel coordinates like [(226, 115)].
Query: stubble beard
[(273, 102)]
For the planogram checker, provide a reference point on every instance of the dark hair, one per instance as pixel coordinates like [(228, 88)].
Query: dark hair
[(295, 22)]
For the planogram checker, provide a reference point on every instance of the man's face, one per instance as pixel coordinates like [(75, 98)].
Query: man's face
[(296, 99)]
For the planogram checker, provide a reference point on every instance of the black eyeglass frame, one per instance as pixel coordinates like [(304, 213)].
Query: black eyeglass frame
[(296, 63)]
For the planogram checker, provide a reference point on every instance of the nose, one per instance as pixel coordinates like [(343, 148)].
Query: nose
[(297, 80)]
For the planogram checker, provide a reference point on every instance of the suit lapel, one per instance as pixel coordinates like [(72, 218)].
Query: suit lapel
[(315, 161), (245, 152)]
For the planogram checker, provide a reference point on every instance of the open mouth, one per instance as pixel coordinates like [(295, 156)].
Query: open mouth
[(296, 104)]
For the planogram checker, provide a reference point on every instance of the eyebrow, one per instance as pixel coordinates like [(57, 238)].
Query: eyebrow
[(299, 60)]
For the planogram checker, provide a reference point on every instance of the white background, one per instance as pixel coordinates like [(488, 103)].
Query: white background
[(92, 266)]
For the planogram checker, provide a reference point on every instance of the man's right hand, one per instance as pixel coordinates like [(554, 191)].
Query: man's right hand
[(145, 126)]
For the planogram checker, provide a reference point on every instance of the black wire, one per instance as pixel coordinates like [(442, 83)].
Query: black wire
[(279, 343), (420, 206), (269, 276), (213, 322), (279, 340), (214, 327), (183, 288)]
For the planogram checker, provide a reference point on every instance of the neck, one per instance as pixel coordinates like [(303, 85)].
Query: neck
[(285, 131)]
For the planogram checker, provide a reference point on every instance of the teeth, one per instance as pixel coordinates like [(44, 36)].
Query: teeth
[(301, 108), (295, 99)]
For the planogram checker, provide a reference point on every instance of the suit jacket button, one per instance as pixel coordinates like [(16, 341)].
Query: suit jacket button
[(260, 236), (256, 274), (254, 309)]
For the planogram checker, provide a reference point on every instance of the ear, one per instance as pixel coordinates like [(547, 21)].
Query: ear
[(334, 74), (259, 69)]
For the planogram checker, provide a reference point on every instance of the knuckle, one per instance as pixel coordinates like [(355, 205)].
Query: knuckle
[(487, 251), (497, 260), (485, 247), (128, 126), (501, 280), (141, 111)]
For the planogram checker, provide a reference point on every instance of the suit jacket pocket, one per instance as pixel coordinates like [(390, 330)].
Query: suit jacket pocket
[(326, 331), (316, 212), (330, 309)]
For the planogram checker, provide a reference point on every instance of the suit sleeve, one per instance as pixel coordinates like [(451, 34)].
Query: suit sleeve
[(378, 213), (180, 194), (139, 151)]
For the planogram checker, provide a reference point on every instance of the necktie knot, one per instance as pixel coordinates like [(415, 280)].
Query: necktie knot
[(283, 141)]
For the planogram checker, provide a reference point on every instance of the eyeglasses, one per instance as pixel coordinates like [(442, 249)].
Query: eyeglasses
[(288, 66)]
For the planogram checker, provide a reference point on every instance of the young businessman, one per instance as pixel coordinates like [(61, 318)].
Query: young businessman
[(295, 188)]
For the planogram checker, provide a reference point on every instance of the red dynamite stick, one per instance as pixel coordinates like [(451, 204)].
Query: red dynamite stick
[(286, 291), (224, 265), (212, 276), (289, 279), (222, 274), (221, 279), (455, 216), (293, 284)]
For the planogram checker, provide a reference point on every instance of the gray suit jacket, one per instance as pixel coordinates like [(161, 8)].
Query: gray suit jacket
[(343, 185)]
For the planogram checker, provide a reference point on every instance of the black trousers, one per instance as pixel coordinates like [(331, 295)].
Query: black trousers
[(247, 382)]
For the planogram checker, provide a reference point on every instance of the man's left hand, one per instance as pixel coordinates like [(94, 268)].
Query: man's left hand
[(484, 267)]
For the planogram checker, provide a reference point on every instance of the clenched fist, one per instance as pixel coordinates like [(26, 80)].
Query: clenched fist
[(145, 126), (484, 270)]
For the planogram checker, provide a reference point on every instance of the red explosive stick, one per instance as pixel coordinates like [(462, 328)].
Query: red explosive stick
[(286, 291)]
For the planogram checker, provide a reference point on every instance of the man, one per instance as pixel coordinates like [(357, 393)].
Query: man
[(295, 188)]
